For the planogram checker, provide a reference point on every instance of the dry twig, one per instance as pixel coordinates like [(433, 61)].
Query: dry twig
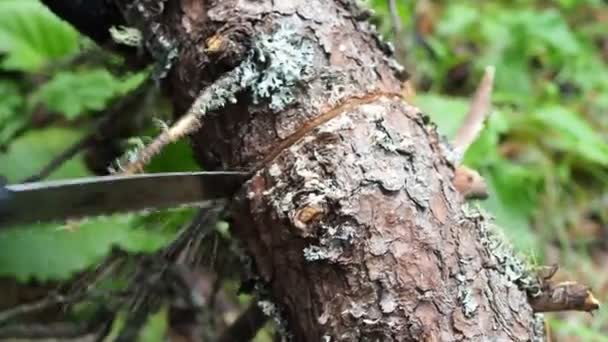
[(479, 110), (468, 181)]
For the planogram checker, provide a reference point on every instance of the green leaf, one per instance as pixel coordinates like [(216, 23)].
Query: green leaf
[(512, 200), (175, 157), (458, 19), (28, 154), (76, 93), (550, 27), (155, 329), (574, 134), (446, 112), (31, 36), (59, 253), (12, 107), (49, 252)]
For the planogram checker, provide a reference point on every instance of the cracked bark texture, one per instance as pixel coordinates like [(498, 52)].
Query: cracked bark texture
[(355, 228)]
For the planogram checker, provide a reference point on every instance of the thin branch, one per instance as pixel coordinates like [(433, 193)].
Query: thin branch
[(62, 330), (479, 110), (44, 331), (468, 181), (39, 305), (211, 98)]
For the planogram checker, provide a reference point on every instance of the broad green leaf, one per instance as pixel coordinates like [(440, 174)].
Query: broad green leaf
[(550, 27), (60, 253), (458, 18), (155, 329), (28, 154), (12, 107), (176, 157), (11, 100), (76, 93), (53, 252), (446, 112), (573, 134), (512, 200), (31, 36)]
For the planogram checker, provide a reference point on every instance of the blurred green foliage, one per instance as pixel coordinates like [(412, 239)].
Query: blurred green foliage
[(544, 151)]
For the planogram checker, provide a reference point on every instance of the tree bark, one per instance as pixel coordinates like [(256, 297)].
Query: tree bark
[(350, 218)]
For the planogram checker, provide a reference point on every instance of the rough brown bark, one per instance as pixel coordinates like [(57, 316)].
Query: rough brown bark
[(351, 219)]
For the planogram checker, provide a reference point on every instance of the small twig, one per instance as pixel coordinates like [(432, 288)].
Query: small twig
[(246, 326), (41, 331), (479, 110), (468, 181), (62, 330), (39, 305), (211, 98), (198, 229)]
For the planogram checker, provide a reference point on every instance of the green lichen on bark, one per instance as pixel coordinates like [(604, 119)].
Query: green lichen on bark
[(507, 261)]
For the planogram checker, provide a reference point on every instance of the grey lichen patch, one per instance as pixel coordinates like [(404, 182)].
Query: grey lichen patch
[(388, 303), (468, 301), (129, 36), (279, 62), (516, 269), (271, 310), (317, 253), (287, 58), (539, 328), (274, 170), (417, 190), (452, 155), (332, 242), (378, 245)]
